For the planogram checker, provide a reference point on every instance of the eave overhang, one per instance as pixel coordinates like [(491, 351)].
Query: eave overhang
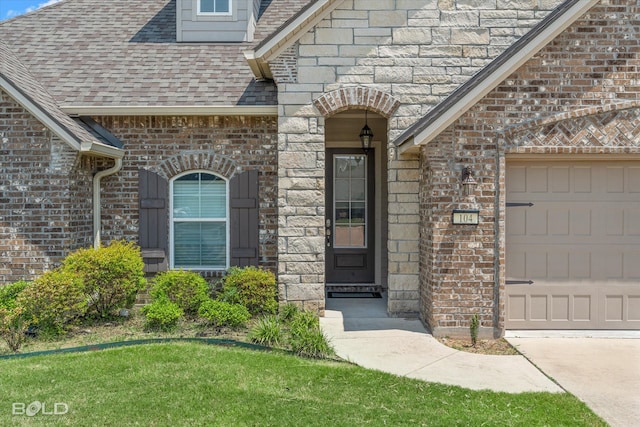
[(258, 58)]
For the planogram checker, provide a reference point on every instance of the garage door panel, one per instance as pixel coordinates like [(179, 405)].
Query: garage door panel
[(559, 221), (634, 308), (582, 179), (615, 179), (560, 182), (632, 223), (633, 179), (537, 179), (579, 243)]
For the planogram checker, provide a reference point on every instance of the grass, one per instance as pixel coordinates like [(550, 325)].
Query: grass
[(191, 384)]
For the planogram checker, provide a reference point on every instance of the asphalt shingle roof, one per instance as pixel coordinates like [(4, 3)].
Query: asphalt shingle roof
[(124, 52), (17, 75)]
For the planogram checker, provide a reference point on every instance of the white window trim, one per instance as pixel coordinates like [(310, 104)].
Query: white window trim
[(199, 13), (227, 220)]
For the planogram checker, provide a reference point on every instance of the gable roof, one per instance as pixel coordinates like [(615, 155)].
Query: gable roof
[(92, 54), (471, 92), (287, 34), (20, 84)]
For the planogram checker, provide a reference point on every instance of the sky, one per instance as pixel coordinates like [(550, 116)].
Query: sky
[(12, 8)]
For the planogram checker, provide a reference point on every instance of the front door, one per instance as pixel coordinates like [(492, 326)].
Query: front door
[(350, 216)]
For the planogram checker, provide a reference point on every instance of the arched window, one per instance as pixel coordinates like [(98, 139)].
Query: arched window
[(199, 222)]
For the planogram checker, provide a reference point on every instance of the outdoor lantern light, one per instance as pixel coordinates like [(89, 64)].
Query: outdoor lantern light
[(366, 136), (468, 183)]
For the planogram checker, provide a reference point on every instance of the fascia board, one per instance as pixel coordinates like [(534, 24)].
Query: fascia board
[(39, 113), (162, 110)]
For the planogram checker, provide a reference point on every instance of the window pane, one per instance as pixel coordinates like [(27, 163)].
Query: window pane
[(207, 6), (222, 6), (214, 6), (213, 199), (341, 189), (200, 244), (199, 195)]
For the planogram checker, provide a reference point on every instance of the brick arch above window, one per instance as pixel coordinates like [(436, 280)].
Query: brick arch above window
[(347, 98), (197, 160)]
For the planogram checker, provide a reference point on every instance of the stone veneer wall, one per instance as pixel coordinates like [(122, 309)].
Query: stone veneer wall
[(415, 51), (169, 145), (45, 196), (578, 96)]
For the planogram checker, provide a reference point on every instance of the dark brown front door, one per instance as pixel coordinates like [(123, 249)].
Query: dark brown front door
[(350, 216)]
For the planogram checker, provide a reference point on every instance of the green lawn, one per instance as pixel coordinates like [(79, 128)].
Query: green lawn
[(192, 384)]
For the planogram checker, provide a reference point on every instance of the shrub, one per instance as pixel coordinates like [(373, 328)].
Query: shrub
[(287, 312), (473, 330), (13, 325), (252, 287), (306, 338), (54, 300), (185, 288), (9, 293), (268, 331), (113, 276), (162, 314), (220, 313)]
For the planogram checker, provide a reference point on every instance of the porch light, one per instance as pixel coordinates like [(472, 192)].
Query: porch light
[(468, 182), (366, 136)]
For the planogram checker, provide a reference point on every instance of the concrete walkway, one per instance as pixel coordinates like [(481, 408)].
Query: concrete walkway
[(602, 372), (361, 332)]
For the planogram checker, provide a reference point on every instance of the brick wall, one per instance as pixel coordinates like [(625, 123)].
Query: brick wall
[(45, 196), (578, 96), (171, 145)]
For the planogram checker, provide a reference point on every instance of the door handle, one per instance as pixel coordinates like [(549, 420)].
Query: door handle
[(328, 231)]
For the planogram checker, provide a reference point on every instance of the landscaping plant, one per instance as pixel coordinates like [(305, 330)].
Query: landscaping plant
[(185, 288), (221, 313), (268, 331), (162, 314), (112, 275), (253, 287), (53, 301), (473, 329)]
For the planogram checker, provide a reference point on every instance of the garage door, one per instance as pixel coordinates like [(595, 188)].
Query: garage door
[(573, 245)]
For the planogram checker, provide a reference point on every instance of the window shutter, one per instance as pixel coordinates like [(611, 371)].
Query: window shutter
[(153, 191), (244, 227)]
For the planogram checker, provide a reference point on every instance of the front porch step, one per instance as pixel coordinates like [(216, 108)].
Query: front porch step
[(353, 287)]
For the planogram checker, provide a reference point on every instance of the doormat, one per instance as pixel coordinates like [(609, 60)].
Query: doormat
[(354, 295)]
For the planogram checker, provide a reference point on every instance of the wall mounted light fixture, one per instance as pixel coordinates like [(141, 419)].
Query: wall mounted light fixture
[(366, 135), (468, 182)]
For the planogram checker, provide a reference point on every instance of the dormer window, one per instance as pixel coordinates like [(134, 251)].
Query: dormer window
[(214, 7)]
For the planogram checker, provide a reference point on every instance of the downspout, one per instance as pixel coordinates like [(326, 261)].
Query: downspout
[(97, 212)]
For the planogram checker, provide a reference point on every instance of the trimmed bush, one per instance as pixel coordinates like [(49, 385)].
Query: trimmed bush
[(113, 275), (9, 293), (268, 331), (13, 325), (54, 300), (162, 314), (252, 287), (185, 288), (220, 313)]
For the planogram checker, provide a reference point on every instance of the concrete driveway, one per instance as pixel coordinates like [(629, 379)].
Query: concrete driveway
[(604, 373)]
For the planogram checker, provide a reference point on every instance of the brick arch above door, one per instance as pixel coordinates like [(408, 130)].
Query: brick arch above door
[(343, 99)]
